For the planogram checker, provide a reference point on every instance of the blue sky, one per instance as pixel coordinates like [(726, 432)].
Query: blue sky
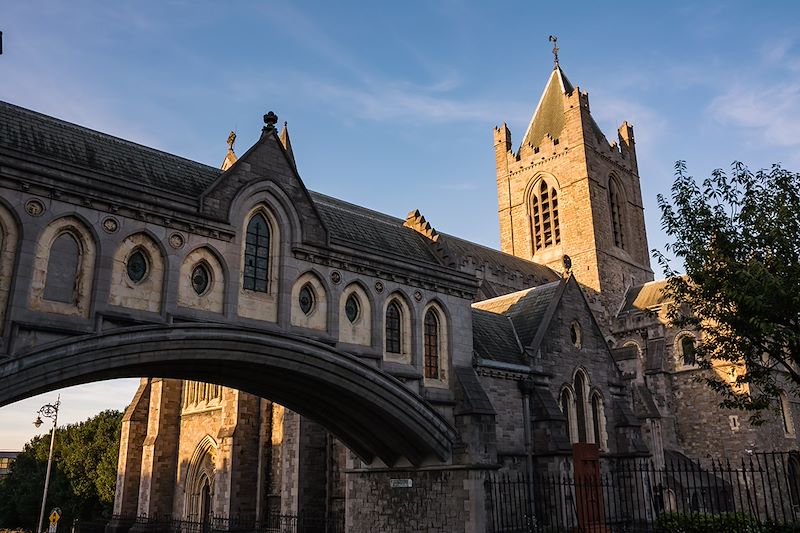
[(391, 104)]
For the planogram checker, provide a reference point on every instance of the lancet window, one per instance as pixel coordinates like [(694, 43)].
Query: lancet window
[(544, 217)]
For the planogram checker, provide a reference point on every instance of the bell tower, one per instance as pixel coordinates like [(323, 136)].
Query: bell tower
[(568, 191)]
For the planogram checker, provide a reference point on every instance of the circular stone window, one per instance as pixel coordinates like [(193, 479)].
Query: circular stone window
[(201, 279), (575, 334), (306, 300), (352, 308), (137, 266)]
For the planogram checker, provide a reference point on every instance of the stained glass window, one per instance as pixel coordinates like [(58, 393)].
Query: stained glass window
[(306, 299), (256, 254), (352, 308), (201, 279), (137, 266), (431, 345), (393, 333)]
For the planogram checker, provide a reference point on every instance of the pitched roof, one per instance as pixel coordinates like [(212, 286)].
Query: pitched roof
[(363, 228), (644, 297), (146, 169), (548, 118), (494, 338), (49, 138), (526, 309), (460, 252)]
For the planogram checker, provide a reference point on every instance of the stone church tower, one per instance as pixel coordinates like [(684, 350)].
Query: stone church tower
[(568, 191)]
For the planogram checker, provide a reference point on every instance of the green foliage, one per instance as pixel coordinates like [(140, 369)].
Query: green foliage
[(738, 238), (82, 480), (719, 523)]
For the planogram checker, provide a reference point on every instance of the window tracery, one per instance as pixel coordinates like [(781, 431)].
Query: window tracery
[(256, 254), (432, 347), (544, 217)]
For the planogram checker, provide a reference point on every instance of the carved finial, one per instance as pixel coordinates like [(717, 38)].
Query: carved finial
[(553, 39), (231, 140), (270, 119), (567, 261)]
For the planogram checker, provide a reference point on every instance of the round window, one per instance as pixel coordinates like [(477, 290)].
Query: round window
[(351, 308), (201, 279), (306, 299), (575, 334), (137, 266)]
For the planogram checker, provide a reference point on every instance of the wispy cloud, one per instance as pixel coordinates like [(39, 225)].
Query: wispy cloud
[(772, 111)]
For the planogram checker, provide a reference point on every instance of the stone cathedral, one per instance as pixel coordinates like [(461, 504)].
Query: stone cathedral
[(557, 339)]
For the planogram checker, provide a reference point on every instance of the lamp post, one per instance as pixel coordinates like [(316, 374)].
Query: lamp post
[(47, 411)]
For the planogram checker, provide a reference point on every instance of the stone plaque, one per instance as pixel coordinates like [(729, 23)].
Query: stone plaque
[(401, 483)]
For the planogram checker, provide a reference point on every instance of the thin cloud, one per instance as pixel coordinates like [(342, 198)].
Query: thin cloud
[(771, 111)]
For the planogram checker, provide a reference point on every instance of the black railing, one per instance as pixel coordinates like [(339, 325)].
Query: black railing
[(213, 524), (760, 493)]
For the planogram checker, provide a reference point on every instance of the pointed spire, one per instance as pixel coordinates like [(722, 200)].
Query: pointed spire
[(230, 157), (548, 118), (287, 143)]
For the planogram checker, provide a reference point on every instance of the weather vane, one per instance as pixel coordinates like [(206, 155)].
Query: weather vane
[(553, 39)]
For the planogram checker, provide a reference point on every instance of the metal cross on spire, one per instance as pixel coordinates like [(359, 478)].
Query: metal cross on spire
[(553, 39)]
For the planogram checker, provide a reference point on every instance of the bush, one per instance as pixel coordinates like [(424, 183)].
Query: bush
[(707, 523)]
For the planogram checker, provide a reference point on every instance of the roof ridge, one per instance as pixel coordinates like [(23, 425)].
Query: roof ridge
[(331, 201), (108, 136)]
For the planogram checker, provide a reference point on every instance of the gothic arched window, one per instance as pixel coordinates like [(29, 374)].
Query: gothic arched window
[(615, 201), (256, 254), (565, 402), (687, 350), (393, 329), (544, 217), (431, 345), (580, 405), (62, 269), (598, 419)]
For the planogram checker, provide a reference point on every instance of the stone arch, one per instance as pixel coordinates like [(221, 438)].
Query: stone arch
[(9, 237), (441, 378), (255, 302), (599, 434), (80, 303), (146, 294), (401, 351), (340, 391), (566, 402), (199, 478), (582, 389), (213, 299), (358, 331), (317, 317), (683, 347)]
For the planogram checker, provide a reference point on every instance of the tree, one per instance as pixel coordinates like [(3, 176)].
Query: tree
[(738, 236), (83, 477)]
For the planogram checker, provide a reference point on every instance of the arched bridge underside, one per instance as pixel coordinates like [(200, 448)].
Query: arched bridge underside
[(370, 411)]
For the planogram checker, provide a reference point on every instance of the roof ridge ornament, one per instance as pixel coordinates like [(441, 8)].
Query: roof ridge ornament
[(553, 39), (270, 119)]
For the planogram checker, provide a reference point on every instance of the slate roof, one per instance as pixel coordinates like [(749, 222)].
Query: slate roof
[(525, 308), (52, 139), (360, 227), (494, 338), (457, 250), (644, 297), (548, 118), (146, 169), (473, 398)]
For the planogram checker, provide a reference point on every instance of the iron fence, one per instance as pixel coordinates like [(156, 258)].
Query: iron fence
[(276, 523), (635, 496)]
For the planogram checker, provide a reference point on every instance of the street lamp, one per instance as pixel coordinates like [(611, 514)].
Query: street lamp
[(47, 411)]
